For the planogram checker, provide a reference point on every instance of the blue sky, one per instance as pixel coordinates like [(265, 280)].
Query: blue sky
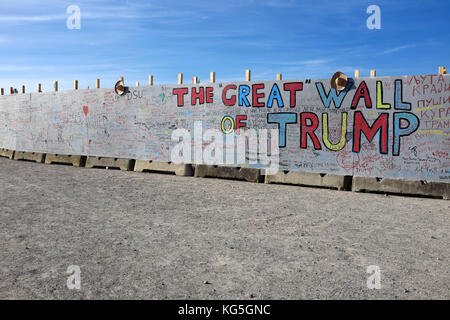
[(300, 39)]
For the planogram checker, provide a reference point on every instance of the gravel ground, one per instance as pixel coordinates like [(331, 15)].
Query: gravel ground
[(155, 236)]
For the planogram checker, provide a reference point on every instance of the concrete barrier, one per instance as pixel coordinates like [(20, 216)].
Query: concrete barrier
[(311, 179), (113, 163), (237, 173), (159, 166), (76, 161), (405, 187), (7, 153), (374, 127), (29, 156)]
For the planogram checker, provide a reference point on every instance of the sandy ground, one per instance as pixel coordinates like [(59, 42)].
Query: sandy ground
[(154, 236)]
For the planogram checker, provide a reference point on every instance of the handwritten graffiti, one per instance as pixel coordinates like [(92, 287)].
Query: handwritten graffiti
[(396, 127), (403, 123)]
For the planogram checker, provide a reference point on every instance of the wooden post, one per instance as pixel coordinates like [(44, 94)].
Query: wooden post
[(373, 73), (23, 89), (279, 76), (55, 85), (356, 73), (39, 87), (137, 83), (180, 78), (2, 91), (248, 75), (75, 84), (97, 83), (150, 80), (212, 77)]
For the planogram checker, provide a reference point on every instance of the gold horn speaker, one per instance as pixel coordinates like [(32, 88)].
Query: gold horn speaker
[(339, 81), (119, 88)]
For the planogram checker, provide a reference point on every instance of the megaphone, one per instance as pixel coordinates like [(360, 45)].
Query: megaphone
[(119, 88)]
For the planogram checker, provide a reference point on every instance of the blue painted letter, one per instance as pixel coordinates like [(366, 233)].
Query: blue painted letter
[(282, 119), (413, 125)]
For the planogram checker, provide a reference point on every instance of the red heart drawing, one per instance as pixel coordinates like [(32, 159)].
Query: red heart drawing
[(85, 110)]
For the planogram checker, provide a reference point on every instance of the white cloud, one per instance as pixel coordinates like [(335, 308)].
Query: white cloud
[(87, 15), (313, 62), (32, 18), (396, 49), (88, 11)]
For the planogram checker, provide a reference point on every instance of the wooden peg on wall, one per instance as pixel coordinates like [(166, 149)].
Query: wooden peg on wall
[(97, 83), (75, 84), (180, 78), (279, 76), (373, 73), (23, 89), (150, 80), (2, 91), (137, 83), (356, 73), (39, 87), (248, 76), (212, 77), (55, 85)]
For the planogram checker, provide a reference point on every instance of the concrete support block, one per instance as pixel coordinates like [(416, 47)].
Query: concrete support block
[(114, 163), (157, 166), (237, 173), (29, 156), (311, 179), (76, 161), (7, 153), (407, 187)]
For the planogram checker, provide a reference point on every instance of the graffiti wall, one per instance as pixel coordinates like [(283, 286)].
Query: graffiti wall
[(395, 127)]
